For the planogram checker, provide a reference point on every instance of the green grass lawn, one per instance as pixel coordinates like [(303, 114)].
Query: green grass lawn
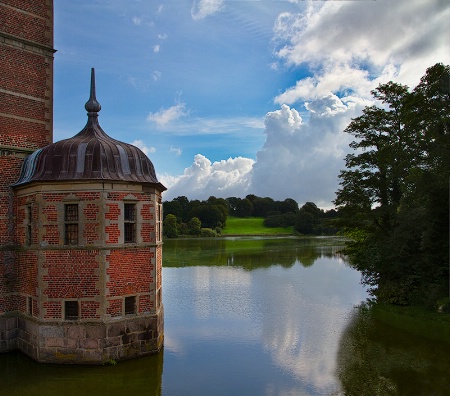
[(252, 226)]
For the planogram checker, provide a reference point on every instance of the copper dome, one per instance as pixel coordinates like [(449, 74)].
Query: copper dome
[(89, 155)]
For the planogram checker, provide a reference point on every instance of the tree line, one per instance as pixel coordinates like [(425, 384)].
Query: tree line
[(208, 217), (394, 193)]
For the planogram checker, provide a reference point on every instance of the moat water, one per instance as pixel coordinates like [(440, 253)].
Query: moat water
[(256, 316)]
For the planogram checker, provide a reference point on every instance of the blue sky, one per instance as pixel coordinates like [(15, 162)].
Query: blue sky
[(232, 97)]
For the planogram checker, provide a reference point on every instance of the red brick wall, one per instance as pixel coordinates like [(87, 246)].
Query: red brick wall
[(130, 271), (26, 73), (76, 273), (26, 112)]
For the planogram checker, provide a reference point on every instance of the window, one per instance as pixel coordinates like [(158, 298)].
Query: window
[(159, 221), (71, 310), (158, 302), (71, 224), (130, 305), (30, 306), (129, 223), (29, 219)]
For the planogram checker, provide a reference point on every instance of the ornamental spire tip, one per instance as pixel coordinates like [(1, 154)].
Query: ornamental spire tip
[(92, 106)]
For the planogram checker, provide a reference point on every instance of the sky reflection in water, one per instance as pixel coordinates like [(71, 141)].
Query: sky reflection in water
[(256, 317), (281, 324)]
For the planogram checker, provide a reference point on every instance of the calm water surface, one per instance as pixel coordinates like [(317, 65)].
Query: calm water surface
[(256, 316)]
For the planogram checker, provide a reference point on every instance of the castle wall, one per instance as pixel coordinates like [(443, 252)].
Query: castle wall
[(26, 122), (99, 273)]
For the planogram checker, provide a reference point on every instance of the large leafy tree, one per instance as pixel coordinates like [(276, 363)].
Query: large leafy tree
[(394, 190)]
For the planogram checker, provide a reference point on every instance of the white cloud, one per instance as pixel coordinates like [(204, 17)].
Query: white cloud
[(156, 48), (156, 75), (301, 160), (226, 178), (353, 46), (175, 150), (165, 116), (347, 48), (298, 160), (145, 149), (137, 20), (203, 8)]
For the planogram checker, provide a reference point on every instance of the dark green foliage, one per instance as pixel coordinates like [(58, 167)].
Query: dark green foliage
[(394, 192), (213, 214), (170, 228), (280, 220), (240, 207), (194, 226), (310, 220)]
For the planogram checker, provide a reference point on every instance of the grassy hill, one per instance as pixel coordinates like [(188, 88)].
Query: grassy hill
[(252, 226)]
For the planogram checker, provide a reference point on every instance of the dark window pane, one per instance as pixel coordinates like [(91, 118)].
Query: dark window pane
[(130, 305), (30, 305), (71, 212), (71, 310), (71, 234), (29, 229), (129, 223), (129, 233), (130, 212)]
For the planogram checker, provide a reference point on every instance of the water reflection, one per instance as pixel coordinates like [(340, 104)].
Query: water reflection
[(250, 253), (256, 317), (294, 315), (377, 359), (21, 376)]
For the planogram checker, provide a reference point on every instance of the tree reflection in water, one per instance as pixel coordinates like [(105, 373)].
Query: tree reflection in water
[(375, 358)]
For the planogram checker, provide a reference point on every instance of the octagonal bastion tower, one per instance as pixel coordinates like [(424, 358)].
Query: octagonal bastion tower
[(88, 231)]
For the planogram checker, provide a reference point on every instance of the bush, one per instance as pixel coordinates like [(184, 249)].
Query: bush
[(208, 233)]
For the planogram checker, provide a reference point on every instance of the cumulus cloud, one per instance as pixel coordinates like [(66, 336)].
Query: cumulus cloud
[(301, 160), (165, 116), (203, 8), (226, 178), (145, 149), (298, 160), (347, 49), (156, 48)]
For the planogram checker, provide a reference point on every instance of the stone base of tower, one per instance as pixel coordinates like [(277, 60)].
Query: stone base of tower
[(8, 333), (85, 343)]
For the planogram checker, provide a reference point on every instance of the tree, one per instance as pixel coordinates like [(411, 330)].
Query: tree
[(308, 219), (262, 206), (394, 193), (304, 222), (170, 226), (195, 226), (288, 206)]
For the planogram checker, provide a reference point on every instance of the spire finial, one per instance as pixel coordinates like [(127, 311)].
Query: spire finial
[(92, 106)]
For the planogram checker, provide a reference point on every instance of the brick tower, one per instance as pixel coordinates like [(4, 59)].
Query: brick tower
[(88, 234), (26, 111), (80, 219)]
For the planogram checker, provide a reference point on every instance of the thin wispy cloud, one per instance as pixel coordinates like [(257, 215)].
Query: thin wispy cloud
[(145, 149), (176, 150), (156, 75), (165, 116), (188, 126), (204, 8), (137, 20)]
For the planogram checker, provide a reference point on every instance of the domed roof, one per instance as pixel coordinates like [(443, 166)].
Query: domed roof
[(89, 155)]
